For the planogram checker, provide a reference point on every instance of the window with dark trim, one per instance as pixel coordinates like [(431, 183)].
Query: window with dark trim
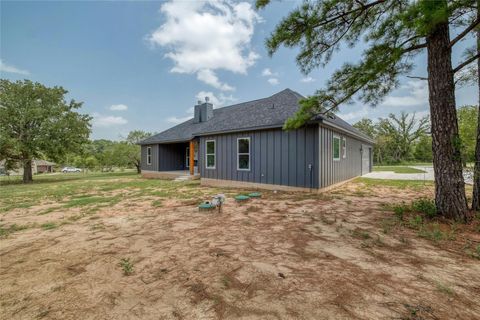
[(149, 155), (243, 154), (210, 154), (336, 148)]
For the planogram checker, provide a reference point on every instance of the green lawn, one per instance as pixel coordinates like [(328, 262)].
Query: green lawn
[(92, 190), (397, 169)]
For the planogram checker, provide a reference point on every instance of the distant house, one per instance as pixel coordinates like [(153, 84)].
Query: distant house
[(38, 166), (42, 166), (244, 145)]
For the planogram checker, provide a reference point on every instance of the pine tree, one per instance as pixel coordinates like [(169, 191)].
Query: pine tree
[(395, 31)]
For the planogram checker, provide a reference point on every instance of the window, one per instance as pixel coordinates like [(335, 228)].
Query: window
[(344, 147), (187, 157), (149, 155), (336, 148), (243, 154), (210, 154)]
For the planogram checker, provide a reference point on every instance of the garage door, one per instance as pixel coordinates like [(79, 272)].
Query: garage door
[(366, 150)]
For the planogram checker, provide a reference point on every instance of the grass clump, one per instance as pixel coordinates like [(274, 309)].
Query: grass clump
[(425, 206), (127, 266), (445, 289), (48, 226), (5, 231)]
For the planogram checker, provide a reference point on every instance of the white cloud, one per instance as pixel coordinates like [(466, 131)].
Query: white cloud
[(100, 120), (354, 115), (218, 101), (307, 79), (209, 77), (202, 37), (273, 81), (118, 107), (268, 73), (415, 94), (11, 69)]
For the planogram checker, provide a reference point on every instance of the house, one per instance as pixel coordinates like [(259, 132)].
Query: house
[(244, 145), (42, 166)]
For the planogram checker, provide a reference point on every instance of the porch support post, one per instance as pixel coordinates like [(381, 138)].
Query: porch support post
[(192, 161)]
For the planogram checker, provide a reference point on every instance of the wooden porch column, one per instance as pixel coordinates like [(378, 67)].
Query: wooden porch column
[(192, 161)]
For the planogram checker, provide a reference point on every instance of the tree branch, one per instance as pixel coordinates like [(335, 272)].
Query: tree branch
[(362, 7), (415, 47), (466, 62), (464, 32), (414, 77)]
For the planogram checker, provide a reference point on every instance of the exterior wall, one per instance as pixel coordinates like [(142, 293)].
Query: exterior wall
[(165, 157), (276, 157), (154, 165), (334, 171)]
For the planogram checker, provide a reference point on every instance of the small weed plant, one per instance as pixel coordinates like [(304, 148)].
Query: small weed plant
[(127, 266)]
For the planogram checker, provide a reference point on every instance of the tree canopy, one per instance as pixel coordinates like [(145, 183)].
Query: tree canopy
[(36, 122), (394, 30)]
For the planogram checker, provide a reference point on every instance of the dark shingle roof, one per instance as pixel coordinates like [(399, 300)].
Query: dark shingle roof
[(256, 114)]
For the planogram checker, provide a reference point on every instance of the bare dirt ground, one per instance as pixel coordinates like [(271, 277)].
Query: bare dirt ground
[(285, 256)]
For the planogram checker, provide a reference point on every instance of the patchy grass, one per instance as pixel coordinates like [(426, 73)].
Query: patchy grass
[(398, 184), (6, 230), (48, 226), (398, 169)]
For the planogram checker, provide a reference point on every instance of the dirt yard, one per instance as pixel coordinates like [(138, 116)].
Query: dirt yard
[(127, 248)]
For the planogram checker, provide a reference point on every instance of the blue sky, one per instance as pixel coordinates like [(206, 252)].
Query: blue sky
[(143, 65)]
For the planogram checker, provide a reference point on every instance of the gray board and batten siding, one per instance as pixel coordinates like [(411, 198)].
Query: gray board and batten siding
[(165, 157), (298, 158), (276, 157)]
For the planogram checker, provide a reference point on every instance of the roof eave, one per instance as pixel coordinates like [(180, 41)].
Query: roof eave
[(330, 124)]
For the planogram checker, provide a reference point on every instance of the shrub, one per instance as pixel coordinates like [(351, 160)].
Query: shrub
[(425, 206), (400, 210)]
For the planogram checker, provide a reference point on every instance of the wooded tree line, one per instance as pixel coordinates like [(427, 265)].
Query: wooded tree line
[(105, 155), (407, 138)]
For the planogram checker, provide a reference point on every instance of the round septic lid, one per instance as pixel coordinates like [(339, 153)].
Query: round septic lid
[(242, 197), (206, 206), (255, 195)]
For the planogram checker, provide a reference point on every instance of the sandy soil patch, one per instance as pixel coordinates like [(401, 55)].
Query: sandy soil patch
[(285, 256)]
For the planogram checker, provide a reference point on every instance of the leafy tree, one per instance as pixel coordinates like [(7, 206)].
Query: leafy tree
[(394, 31), (395, 136), (467, 125), (366, 126), (423, 149), (37, 122), (403, 131), (133, 140)]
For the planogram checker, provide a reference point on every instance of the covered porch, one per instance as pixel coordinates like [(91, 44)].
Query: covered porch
[(173, 161)]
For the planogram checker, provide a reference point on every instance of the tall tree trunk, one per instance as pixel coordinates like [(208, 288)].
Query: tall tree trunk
[(27, 171), (450, 196), (476, 170)]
